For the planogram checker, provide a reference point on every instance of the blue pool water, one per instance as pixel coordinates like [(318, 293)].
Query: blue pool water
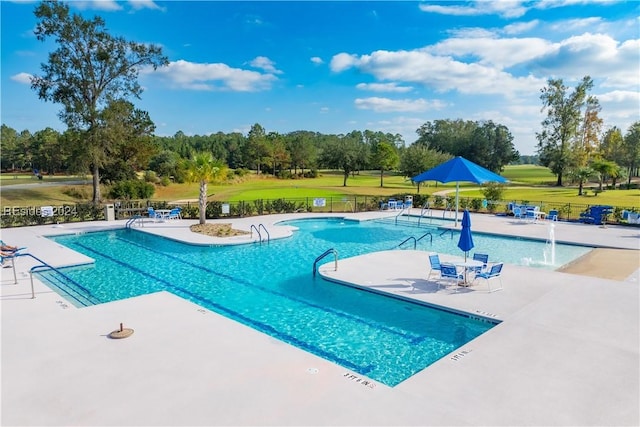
[(270, 287)]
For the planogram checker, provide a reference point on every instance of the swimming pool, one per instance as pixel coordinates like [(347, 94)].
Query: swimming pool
[(270, 287)]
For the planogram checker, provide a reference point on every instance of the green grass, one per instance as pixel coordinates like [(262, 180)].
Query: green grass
[(537, 195), (529, 174), (527, 184)]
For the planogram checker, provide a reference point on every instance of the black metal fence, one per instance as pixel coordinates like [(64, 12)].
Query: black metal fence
[(18, 216)]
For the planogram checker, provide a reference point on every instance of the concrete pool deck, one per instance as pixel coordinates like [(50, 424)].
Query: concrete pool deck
[(566, 353)]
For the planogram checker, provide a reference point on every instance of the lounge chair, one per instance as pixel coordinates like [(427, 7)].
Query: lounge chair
[(449, 273), (434, 262), (492, 273), (552, 215)]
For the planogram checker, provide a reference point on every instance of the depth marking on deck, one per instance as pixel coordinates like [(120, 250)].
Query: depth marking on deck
[(486, 314), (459, 355), (359, 380)]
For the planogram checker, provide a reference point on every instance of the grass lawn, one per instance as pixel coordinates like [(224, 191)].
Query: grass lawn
[(528, 183)]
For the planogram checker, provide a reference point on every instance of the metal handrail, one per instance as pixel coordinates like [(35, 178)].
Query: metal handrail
[(253, 227), (50, 267), (397, 216), (425, 208), (449, 230), (327, 252), (266, 231), (133, 220), (425, 235), (415, 242)]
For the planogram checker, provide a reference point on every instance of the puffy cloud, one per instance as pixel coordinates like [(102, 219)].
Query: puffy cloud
[(620, 106), (383, 87), (520, 27), (597, 55), (439, 72), (317, 60), (503, 52), (106, 5), (144, 4), (343, 61), (386, 105), (208, 77), (265, 64), (506, 9), (24, 78)]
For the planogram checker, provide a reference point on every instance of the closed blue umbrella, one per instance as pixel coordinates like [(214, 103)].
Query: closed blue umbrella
[(456, 170), (466, 239)]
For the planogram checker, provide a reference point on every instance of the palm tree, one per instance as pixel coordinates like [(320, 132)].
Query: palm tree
[(204, 168), (581, 176)]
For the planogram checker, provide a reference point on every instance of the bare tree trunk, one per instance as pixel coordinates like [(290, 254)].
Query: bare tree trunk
[(202, 202), (96, 185)]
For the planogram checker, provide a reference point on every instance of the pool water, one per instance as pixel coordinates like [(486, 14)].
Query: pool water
[(270, 287)]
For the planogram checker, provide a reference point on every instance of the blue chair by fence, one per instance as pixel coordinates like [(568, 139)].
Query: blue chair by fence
[(175, 214)]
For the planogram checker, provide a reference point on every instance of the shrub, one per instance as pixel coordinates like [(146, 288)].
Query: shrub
[(131, 189), (493, 192), (476, 204), (150, 176), (77, 192)]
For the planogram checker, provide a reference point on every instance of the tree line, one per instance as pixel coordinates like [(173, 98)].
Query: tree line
[(291, 155)]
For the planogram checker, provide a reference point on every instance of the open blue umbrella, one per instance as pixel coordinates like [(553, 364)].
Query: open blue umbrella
[(466, 239), (456, 170)]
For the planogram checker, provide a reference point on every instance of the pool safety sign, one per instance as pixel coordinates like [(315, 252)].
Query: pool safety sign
[(319, 202)]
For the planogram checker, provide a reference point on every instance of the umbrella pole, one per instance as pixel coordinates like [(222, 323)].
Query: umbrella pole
[(457, 200)]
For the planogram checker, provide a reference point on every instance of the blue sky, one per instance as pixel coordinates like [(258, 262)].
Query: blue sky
[(334, 67)]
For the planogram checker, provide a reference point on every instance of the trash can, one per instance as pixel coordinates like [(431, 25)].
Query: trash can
[(408, 202), (109, 212)]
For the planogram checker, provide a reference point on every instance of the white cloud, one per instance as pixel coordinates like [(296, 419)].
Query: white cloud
[(386, 105), (317, 60), (571, 25), (209, 77), (439, 72), (620, 107), (520, 27), (383, 87), (24, 78), (504, 8), (265, 64), (597, 55), (503, 52), (145, 4), (106, 5), (342, 61)]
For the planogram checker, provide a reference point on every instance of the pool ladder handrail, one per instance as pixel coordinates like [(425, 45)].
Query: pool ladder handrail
[(415, 241), (132, 221), (326, 253), (260, 226), (448, 230), (425, 209), (50, 267), (401, 212), (406, 240), (425, 235)]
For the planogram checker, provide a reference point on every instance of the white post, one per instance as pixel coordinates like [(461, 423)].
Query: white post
[(457, 201)]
